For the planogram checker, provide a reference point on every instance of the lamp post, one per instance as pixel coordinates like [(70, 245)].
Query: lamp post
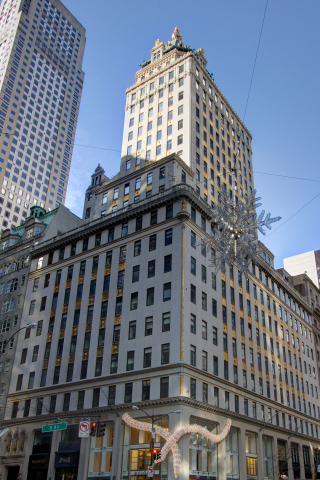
[(153, 420), (30, 325)]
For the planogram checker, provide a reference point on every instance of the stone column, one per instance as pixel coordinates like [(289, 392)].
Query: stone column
[(84, 456), (289, 460), (222, 466), (117, 449), (176, 421), (242, 453), (275, 459), (56, 437), (313, 469), (260, 455)]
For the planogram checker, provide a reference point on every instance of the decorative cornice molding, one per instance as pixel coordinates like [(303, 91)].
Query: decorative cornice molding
[(168, 402)]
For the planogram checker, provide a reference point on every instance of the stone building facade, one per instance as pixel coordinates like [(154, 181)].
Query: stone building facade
[(134, 316)]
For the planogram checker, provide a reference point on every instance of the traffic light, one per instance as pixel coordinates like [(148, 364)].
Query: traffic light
[(156, 453), (93, 429), (101, 429)]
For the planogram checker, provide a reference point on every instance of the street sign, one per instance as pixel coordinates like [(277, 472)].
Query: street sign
[(84, 428), (53, 427), (150, 472)]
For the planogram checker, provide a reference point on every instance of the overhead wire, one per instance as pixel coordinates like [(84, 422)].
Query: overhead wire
[(255, 60), (318, 194), (228, 170)]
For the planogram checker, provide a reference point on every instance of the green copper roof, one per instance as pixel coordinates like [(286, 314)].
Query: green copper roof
[(46, 219)]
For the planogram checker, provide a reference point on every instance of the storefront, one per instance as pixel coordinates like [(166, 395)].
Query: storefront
[(67, 457), (137, 456), (39, 459)]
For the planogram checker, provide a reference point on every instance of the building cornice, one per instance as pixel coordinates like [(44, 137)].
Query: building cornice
[(104, 412)]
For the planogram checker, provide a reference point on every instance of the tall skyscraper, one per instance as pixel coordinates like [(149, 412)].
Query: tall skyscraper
[(175, 106), (41, 52)]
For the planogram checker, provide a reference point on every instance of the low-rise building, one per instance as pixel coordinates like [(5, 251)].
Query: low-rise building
[(15, 248)]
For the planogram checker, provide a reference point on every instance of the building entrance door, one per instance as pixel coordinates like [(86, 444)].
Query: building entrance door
[(13, 473)]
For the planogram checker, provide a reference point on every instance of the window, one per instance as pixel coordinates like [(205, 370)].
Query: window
[(165, 353), (148, 326), (130, 361), (128, 393), (193, 294), (146, 390), (166, 322), (154, 217), (152, 243), (114, 363), (204, 301), (226, 370), (168, 237), (193, 355), (147, 357), (31, 307), (132, 330), (167, 291), (137, 248), (167, 263), (204, 273), (134, 301), (204, 361), (193, 324), (164, 387), (31, 380), (135, 274), (169, 211), (214, 307), (150, 296)]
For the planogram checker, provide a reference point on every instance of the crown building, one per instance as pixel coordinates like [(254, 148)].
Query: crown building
[(134, 316), (41, 51)]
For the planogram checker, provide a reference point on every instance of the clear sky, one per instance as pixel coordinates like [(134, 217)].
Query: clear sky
[(284, 103)]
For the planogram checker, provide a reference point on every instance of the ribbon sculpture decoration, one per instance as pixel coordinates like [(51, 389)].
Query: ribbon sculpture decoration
[(171, 440)]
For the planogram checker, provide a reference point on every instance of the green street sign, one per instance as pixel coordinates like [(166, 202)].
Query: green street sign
[(54, 427)]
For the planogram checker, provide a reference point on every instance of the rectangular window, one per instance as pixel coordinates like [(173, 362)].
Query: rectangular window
[(165, 353), (147, 357), (214, 307), (134, 301), (167, 263), (130, 361), (193, 355), (152, 243), (146, 390), (193, 293), (168, 237), (167, 291), (135, 274), (150, 296), (164, 387), (132, 330), (166, 322), (148, 326), (215, 335)]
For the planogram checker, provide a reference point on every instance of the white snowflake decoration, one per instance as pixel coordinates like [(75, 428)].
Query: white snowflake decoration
[(235, 237)]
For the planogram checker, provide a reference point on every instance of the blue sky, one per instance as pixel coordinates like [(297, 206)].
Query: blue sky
[(283, 109)]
